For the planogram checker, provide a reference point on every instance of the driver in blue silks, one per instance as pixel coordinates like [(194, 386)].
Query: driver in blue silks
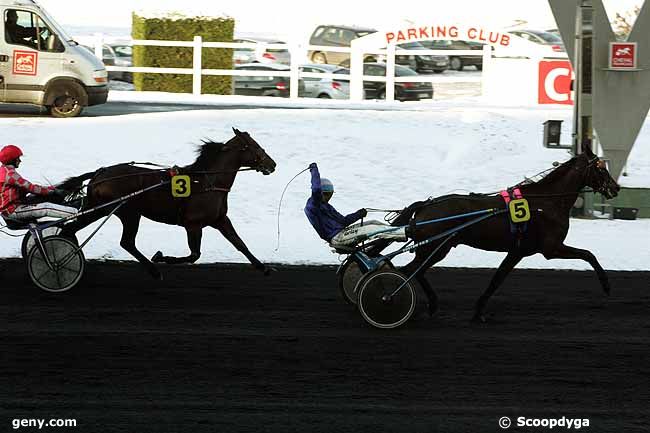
[(336, 228)]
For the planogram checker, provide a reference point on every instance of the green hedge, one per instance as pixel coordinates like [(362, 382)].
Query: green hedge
[(182, 29)]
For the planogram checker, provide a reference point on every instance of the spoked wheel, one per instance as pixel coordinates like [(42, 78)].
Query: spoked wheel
[(29, 242), (349, 277), (381, 303), (67, 264)]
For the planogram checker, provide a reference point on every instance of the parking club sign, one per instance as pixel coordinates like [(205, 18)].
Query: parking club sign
[(622, 55)]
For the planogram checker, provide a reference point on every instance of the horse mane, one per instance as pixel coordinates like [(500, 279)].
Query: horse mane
[(206, 153), (556, 173)]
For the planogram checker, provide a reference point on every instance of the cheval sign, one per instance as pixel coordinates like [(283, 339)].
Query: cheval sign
[(622, 55), (554, 85), (475, 34), (25, 62)]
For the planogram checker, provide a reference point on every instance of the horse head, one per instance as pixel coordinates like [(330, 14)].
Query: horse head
[(253, 155), (597, 174)]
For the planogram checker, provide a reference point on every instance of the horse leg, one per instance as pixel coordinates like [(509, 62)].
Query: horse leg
[(420, 276), (130, 225), (505, 267), (228, 231), (566, 252), (193, 241)]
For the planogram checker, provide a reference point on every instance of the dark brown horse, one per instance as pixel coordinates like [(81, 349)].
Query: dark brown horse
[(212, 175), (550, 200)]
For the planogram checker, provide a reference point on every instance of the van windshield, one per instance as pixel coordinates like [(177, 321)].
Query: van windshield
[(57, 28)]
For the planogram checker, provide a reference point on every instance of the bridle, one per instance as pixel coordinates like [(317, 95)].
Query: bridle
[(589, 172)]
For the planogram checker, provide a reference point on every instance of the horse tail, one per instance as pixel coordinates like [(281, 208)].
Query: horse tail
[(76, 183)]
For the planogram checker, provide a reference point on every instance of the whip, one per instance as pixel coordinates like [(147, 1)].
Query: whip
[(280, 204)]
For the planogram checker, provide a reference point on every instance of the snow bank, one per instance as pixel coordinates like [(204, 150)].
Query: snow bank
[(381, 159)]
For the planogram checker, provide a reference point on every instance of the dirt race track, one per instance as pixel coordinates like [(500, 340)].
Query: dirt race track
[(219, 348)]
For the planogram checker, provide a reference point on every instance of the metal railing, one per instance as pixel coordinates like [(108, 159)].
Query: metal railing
[(293, 73)]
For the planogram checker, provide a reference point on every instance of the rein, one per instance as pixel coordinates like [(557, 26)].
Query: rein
[(165, 169), (277, 248)]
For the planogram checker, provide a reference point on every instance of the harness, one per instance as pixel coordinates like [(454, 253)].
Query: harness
[(517, 229)]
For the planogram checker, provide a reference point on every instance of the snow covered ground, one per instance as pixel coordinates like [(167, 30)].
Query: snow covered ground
[(380, 159)]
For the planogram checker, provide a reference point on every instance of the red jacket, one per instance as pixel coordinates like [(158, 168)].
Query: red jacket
[(15, 188)]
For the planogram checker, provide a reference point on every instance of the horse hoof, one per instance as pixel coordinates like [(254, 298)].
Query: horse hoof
[(268, 270), (157, 258), (156, 274), (607, 289)]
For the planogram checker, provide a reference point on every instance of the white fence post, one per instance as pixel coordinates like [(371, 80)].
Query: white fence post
[(197, 65), (99, 46), (294, 78), (356, 72), (487, 60), (390, 72)]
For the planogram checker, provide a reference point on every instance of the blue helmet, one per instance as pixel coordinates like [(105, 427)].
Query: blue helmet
[(326, 185)]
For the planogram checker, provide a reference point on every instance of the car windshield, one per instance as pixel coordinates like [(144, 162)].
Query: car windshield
[(440, 43), (412, 46), (401, 71), (123, 50), (548, 37)]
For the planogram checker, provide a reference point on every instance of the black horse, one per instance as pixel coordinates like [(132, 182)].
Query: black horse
[(212, 175), (550, 200)]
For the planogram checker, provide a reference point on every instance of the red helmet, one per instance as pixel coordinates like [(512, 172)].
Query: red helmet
[(10, 153)]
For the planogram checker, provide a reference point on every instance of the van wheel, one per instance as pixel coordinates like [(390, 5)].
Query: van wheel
[(67, 101), (456, 64), (319, 58)]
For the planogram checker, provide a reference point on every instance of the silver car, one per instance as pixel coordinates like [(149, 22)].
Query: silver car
[(261, 54), (324, 88)]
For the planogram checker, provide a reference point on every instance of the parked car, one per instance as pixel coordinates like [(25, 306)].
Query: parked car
[(264, 85), (377, 89), (553, 40), (336, 36), (457, 63), (325, 88), (419, 63), (261, 54), (110, 57)]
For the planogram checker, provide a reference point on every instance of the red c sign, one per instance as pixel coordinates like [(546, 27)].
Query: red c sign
[(555, 82)]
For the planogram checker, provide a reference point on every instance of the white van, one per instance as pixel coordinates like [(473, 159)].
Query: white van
[(40, 64)]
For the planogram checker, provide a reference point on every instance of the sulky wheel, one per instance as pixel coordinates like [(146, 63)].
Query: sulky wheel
[(350, 275), (381, 304), (28, 239), (67, 264)]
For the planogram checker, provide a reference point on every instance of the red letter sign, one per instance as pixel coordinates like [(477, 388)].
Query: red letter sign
[(25, 62), (622, 55), (555, 82)]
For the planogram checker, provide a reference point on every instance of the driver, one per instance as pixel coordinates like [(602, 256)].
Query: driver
[(17, 34), (15, 188), (336, 228)]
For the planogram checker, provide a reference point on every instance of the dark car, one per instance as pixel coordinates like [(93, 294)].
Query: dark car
[(403, 91), (457, 63), (336, 36), (419, 63), (263, 85)]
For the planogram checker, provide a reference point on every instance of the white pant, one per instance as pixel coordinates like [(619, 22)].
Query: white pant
[(42, 210), (372, 229)]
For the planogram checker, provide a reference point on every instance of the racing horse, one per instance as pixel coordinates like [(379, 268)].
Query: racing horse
[(550, 199), (211, 177)]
